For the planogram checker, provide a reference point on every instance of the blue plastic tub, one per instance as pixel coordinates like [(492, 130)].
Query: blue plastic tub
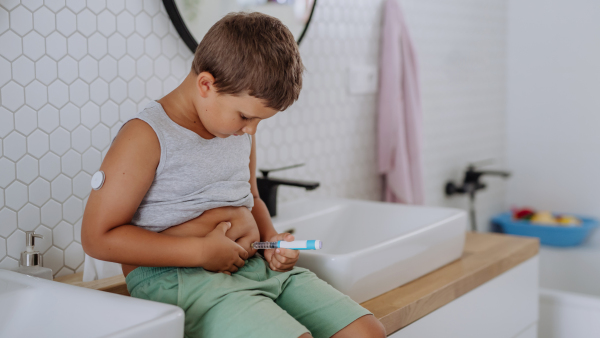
[(548, 235)]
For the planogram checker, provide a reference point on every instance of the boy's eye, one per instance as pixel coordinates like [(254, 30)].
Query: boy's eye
[(244, 117)]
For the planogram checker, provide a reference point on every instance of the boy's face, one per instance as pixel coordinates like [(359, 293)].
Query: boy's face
[(225, 114)]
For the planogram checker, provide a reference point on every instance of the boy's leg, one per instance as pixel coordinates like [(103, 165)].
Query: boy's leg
[(320, 307), (218, 305)]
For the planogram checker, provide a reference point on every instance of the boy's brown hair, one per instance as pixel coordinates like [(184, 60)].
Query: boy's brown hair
[(252, 53)]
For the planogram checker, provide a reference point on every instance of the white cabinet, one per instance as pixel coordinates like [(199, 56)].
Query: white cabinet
[(505, 307)]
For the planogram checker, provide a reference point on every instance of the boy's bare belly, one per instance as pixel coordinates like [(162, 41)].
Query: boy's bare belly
[(243, 231)]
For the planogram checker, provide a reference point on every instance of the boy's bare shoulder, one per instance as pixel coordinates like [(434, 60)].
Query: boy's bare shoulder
[(136, 137)]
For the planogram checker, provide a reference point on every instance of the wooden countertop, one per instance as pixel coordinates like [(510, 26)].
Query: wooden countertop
[(486, 256)]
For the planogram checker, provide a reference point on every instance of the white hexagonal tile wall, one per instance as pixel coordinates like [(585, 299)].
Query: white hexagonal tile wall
[(39, 192), (36, 95), (107, 23), (58, 94), (29, 217), (69, 115), (68, 69), (5, 71), (61, 188), (7, 168), (79, 92), (66, 22), (51, 213), (71, 163), (80, 139), (49, 166), (109, 113), (108, 68), (8, 219), (54, 259), (118, 90), (88, 69), (117, 45), (38, 143), (99, 91), (16, 195), (91, 160), (97, 46), (74, 255), (46, 70), (15, 244), (34, 45), (11, 44), (62, 235), (2, 247), (60, 141), (76, 6), (14, 146), (81, 185), (27, 169), (56, 46), (55, 5), (100, 137), (72, 209), (13, 95), (86, 21), (77, 46), (143, 24), (135, 46), (3, 20), (44, 21), (6, 122), (25, 120), (90, 115), (125, 23), (21, 20)]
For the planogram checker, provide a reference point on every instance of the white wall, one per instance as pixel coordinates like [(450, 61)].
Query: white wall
[(71, 72), (461, 45), (554, 105)]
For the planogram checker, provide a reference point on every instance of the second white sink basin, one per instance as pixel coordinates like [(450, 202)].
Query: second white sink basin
[(35, 307), (370, 248)]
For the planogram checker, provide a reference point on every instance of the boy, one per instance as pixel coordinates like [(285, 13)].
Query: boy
[(180, 207)]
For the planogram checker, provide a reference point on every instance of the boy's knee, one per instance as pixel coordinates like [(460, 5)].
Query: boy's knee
[(306, 335)]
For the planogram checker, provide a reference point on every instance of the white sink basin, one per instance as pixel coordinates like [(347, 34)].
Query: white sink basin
[(370, 248), (35, 307)]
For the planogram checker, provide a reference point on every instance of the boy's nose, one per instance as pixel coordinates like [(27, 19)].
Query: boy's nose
[(250, 128)]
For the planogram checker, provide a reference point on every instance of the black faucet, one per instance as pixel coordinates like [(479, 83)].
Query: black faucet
[(267, 187), (470, 186)]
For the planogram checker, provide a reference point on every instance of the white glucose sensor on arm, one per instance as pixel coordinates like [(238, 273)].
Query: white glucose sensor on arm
[(98, 180)]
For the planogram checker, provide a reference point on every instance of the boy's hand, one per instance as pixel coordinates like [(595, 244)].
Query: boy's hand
[(281, 259), (221, 254)]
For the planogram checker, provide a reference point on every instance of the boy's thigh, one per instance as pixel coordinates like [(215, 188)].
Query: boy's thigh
[(317, 305), (242, 314)]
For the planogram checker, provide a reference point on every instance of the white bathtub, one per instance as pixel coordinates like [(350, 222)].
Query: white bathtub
[(570, 291)]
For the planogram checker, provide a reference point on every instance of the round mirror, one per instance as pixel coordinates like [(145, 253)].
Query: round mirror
[(193, 18)]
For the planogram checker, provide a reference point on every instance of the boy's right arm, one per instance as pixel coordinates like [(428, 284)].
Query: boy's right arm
[(106, 233)]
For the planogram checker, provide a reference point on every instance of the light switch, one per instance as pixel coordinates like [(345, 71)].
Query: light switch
[(362, 79)]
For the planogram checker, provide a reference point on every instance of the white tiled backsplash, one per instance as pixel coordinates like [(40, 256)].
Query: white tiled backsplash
[(71, 72)]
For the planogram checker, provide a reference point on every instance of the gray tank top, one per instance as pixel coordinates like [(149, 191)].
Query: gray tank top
[(194, 174)]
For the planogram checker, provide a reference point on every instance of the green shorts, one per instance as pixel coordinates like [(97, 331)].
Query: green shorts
[(253, 302)]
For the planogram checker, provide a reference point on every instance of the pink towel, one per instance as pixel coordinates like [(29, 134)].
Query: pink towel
[(399, 125)]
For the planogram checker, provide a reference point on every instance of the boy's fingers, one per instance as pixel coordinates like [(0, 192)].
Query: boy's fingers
[(285, 236), (286, 254), (239, 262)]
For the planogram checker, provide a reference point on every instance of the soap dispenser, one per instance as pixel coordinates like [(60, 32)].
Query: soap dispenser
[(31, 260)]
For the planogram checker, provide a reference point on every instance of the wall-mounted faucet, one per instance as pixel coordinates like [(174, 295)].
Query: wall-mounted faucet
[(267, 186), (471, 185)]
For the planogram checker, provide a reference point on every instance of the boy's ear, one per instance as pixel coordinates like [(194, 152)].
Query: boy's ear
[(205, 83)]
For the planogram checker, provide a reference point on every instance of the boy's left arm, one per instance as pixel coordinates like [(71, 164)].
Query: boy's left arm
[(279, 259)]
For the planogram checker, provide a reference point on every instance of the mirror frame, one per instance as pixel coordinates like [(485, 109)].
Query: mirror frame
[(189, 39)]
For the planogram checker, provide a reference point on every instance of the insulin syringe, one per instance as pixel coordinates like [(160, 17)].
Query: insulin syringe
[(294, 245)]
